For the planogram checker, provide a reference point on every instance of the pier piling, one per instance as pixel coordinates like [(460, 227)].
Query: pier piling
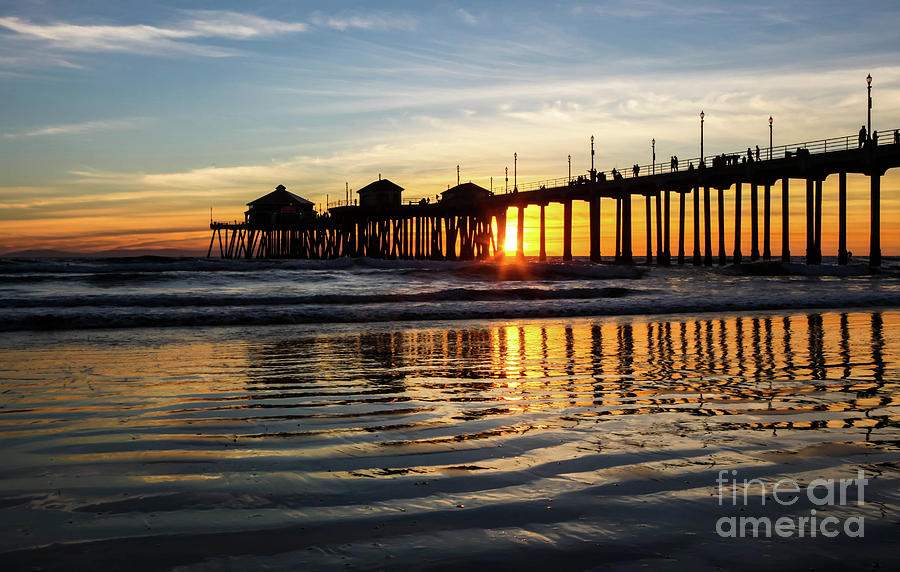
[(737, 223), (842, 218), (875, 220), (594, 215), (817, 226), (649, 221), (626, 230), (767, 213), (681, 201), (697, 260), (721, 226), (520, 233), (542, 255), (618, 257), (785, 221), (707, 228), (810, 225)]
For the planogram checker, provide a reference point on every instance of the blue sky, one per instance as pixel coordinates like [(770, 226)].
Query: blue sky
[(162, 110)]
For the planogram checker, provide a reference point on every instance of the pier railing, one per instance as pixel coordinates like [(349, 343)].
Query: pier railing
[(333, 204), (816, 146)]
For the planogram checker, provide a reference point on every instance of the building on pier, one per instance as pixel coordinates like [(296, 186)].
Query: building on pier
[(380, 195), (465, 194), (280, 207)]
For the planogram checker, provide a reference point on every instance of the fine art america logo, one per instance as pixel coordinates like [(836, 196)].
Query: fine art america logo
[(787, 493)]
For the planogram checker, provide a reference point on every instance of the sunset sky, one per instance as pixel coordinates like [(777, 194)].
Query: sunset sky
[(124, 123)]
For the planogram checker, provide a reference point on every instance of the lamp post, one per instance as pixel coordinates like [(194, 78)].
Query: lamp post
[(506, 181), (515, 172), (592, 157), (702, 162), (869, 110), (457, 175), (770, 137), (570, 168), (653, 156)]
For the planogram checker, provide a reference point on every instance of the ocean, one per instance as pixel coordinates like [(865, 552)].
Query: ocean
[(194, 414), (167, 292)]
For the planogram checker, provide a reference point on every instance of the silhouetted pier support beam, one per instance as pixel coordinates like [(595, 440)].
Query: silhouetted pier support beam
[(626, 230), (785, 221), (697, 260), (707, 228), (843, 258), (737, 223), (681, 201), (767, 227), (649, 208), (450, 236), (875, 219), (594, 215), (618, 257), (667, 252), (721, 212), (501, 233), (567, 229), (659, 248), (520, 233), (754, 222), (810, 225), (417, 237), (420, 238), (817, 227), (542, 255)]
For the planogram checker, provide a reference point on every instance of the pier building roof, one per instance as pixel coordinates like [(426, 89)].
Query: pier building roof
[(380, 194), (280, 197), (465, 192)]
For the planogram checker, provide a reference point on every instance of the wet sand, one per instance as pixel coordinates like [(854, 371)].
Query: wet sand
[(528, 444)]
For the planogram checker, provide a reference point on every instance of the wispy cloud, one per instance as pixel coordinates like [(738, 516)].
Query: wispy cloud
[(365, 21), (640, 9), (181, 37), (466, 16), (662, 10), (211, 23), (74, 128)]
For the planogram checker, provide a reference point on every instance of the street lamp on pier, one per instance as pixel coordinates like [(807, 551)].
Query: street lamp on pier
[(653, 156), (593, 173), (869, 110), (506, 181), (770, 137), (702, 162), (570, 168), (515, 172)]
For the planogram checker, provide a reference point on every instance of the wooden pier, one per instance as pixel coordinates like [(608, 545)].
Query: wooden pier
[(461, 226)]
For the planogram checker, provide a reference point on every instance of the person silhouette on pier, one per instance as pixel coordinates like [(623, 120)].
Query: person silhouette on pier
[(896, 136), (757, 152), (862, 136), (875, 138), (636, 169)]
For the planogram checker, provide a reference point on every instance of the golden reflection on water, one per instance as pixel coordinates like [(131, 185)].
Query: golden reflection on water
[(126, 430), (771, 371), (760, 368)]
